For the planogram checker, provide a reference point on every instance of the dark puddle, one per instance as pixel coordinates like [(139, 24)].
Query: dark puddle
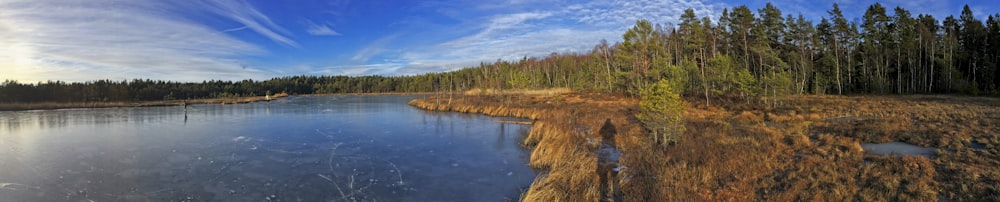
[(977, 145), (899, 148)]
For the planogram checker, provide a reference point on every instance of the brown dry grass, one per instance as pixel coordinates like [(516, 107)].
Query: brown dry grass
[(564, 136), (950, 123), (545, 92), (806, 149)]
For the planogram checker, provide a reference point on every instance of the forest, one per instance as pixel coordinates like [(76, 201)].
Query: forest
[(745, 54)]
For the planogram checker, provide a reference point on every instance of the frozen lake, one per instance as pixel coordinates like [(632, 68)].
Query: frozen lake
[(324, 148)]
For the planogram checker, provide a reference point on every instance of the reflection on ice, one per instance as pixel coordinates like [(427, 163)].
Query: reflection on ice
[(365, 148), (240, 139)]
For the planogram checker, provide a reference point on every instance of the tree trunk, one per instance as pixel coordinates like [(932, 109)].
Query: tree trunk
[(929, 57), (836, 62), (899, 73), (704, 82), (607, 63)]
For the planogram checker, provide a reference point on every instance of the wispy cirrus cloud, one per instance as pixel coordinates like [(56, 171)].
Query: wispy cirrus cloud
[(116, 39), (358, 70), (622, 14), (244, 13), (556, 27), (372, 49), (320, 29)]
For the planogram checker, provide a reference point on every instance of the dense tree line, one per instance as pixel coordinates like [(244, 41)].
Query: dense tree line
[(742, 53), (148, 90), (768, 54)]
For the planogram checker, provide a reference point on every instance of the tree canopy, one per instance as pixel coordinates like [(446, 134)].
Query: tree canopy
[(744, 54)]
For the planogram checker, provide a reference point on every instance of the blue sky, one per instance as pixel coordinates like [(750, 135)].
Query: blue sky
[(195, 40)]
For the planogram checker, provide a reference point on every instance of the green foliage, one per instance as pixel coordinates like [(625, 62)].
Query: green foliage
[(725, 77), (518, 80), (662, 111), (693, 75), (777, 83), (169, 96), (824, 79), (745, 83), (642, 57), (749, 53)]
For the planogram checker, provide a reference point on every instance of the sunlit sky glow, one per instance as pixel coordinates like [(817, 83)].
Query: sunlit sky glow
[(84, 40)]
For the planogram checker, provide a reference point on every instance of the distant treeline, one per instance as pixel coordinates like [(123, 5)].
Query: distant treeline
[(762, 54), (148, 90)]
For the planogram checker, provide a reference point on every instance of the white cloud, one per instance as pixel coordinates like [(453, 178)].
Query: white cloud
[(244, 13), (236, 29), (320, 29), (360, 70), (557, 28), (121, 39), (623, 13), (372, 49), (114, 39), (496, 31)]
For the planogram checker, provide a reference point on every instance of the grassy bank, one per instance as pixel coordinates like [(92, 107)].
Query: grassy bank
[(68, 105), (807, 148), (564, 136)]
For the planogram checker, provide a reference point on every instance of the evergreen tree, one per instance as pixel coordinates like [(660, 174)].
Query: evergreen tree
[(662, 111)]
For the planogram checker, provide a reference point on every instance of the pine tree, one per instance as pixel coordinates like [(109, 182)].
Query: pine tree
[(662, 111), (642, 56)]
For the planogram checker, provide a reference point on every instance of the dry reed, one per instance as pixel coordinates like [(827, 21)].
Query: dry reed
[(808, 148)]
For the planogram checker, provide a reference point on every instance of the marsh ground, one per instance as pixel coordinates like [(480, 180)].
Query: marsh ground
[(802, 148)]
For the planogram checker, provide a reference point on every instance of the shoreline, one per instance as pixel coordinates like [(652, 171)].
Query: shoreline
[(160, 103), (91, 105), (733, 151), (568, 132), (389, 93)]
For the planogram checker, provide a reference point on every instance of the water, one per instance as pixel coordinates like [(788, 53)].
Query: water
[(330, 148), (898, 148), (977, 145)]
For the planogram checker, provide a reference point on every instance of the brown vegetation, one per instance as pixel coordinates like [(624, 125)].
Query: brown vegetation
[(806, 148), (565, 136), (547, 91), (67, 105)]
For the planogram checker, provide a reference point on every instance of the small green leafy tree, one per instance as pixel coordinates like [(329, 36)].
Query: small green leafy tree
[(518, 80), (662, 111)]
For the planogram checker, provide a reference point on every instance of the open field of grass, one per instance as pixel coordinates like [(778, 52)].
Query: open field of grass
[(67, 105), (805, 148)]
